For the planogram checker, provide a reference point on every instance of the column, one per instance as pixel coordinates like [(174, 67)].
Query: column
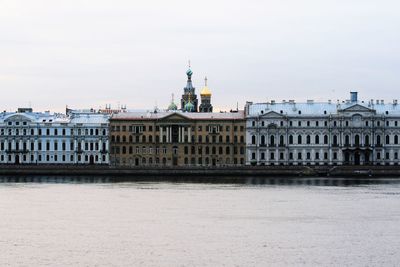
[(180, 134), (161, 134)]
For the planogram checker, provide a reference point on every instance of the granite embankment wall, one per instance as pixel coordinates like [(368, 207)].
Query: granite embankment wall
[(226, 173)]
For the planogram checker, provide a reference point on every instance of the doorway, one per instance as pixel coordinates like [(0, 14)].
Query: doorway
[(357, 158)]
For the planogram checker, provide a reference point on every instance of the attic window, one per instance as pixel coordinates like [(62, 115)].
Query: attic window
[(324, 111), (9, 123), (281, 111), (262, 111), (387, 112), (299, 111)]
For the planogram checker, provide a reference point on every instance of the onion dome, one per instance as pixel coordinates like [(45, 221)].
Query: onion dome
[(189, 72), (172, 106), (205, 91)]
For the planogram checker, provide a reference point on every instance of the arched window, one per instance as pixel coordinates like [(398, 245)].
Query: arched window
[(308, 139), (291, 139), (262, 140), (396, 140), (347, 140), (272, 140), (335, 142), (367, 140), (325, 139), (253, 139), (387, 139), (317, 139), (357, 140), (281, 140), (227, 150), (378, 139), (299, 139)]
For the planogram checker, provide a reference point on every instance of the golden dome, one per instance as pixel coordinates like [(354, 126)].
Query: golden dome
[(205, 91)]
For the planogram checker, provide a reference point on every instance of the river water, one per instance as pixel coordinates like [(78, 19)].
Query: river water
[(170, 224)]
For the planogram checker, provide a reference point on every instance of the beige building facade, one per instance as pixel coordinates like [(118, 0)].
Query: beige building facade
[(177, 139)]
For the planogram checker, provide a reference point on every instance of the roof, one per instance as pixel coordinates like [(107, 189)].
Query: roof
[(189, 115), (318, 108), (47, 117)]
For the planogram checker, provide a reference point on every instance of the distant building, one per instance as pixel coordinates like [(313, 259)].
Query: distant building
[(189, 102), (349, 132), (177, 139), (28, 137), (205, 96)]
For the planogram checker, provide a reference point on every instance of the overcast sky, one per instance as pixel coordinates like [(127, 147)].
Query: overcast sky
[(94, 52)]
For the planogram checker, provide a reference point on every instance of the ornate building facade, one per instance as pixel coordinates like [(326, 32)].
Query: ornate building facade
[(177, 139), (28, 137), (189, 101), (349, 132)]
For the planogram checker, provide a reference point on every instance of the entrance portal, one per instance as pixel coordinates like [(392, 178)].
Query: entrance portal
[(357, 158)]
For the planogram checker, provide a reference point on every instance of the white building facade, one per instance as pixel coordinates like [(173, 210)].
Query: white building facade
[(28, 137), (350, 132)]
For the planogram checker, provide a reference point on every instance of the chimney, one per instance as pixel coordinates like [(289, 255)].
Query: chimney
[(353, 97)]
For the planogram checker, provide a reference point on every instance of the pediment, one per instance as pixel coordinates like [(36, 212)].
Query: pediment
[(18, 117), (272, 114), (175, 117), (357, 108)]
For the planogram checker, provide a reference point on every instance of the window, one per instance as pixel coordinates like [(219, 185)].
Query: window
[(308, 139), (325, 139), (378, 140), (262, 140), (347, 140), (387, 139), (290, 139), (317, 139), (253, 139), (367, 140), (357, 140), (281, 140), (299, 139)]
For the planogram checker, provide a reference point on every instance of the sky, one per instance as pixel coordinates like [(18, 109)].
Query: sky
[(89, 53)]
